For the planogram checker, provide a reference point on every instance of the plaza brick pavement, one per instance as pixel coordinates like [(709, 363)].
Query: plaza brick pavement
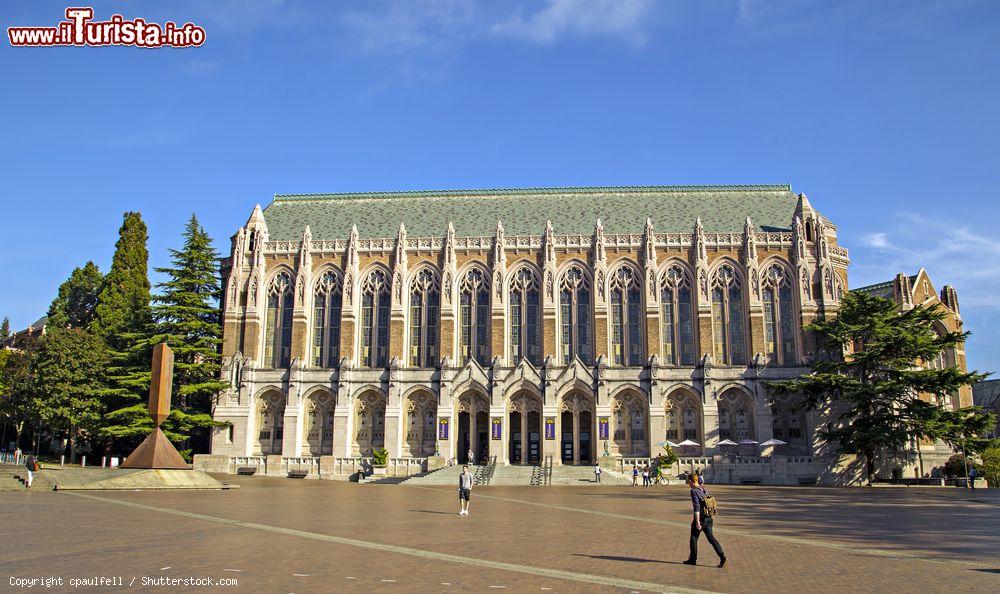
[(281, 535)]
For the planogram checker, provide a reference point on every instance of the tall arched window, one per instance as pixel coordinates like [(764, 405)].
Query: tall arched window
[(626, 318), (676, 318), (574, 316), (425, 301), (327, 301), (278, 324), (375, 320), (779, 317), (474, 314), (524, 313), (728, 334)]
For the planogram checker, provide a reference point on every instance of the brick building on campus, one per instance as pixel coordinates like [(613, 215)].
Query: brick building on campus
[(571, 323)]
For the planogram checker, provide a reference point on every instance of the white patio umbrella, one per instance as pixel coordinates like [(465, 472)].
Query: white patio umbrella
[(689, 442), (773, 442), (666, 443), (727, 442)]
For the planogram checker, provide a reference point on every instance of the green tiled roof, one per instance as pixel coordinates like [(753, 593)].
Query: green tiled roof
[(884, 289), (524, 211)]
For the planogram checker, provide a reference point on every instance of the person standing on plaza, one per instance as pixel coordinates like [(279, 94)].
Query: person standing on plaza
[(597, 472), (973, 475), (645, 476), (30, 464), (472, 457), (635, 475), (464, 490), (702, 522)]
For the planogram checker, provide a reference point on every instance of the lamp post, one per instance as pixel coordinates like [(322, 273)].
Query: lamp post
[(965, 461)]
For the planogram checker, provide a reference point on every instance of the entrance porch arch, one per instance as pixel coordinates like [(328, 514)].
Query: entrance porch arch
[(270, 423), (630, 424), (319, 423), (525, 421), (578, 430), (683, 417), (473, 413), (369, 423), (420, 423)]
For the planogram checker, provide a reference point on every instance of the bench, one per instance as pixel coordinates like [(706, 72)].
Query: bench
[(299, 474), (750, 480), (246, 470), (808, 480)]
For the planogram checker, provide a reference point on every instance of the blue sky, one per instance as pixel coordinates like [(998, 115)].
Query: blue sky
[(884, 113)]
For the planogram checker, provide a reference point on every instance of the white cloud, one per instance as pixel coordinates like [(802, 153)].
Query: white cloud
[(440, 26), (953, 253), (877, 240), (622, 19)]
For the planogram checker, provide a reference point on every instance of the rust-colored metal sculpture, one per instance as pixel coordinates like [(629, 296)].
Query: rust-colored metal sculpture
[(156, 451)]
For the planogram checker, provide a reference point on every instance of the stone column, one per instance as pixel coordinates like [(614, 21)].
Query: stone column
[(503, 456)]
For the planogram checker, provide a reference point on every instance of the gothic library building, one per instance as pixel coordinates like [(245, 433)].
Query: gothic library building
[(562, 324)]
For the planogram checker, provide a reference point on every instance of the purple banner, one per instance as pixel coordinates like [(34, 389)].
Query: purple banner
[(550, 428), (496, 428), (443, 429), (602, 428)]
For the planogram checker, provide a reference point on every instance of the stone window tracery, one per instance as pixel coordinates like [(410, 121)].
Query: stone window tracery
[(524, 317), (425, 303), (728, 318), (278, 338), (375, 307), (575, 316), (327, 303), (474, 317), (626, 317), (780, 345), (677, 318)]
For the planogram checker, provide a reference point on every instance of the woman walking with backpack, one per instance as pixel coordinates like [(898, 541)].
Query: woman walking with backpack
[(704, 512)]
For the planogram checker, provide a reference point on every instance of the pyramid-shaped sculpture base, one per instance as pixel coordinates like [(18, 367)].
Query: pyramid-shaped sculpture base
[(155, 451)]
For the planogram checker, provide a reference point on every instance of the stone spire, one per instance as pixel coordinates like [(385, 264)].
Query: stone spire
[(499, 255), (700, 260), (600, 254)]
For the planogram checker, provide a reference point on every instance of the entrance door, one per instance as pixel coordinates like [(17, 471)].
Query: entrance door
[(534, 437), (515, 438), (567, 437), (585, 446)]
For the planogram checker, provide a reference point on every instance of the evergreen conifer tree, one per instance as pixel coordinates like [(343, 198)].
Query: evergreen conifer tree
[(188, 320), (123, 319), (870, 362), (76, 303)]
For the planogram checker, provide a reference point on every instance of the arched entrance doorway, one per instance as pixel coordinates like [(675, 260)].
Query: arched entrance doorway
[(525, 422), (421, 416), (629, 416), (576, 421), (369, 423), (270, 423), (473, 427)]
